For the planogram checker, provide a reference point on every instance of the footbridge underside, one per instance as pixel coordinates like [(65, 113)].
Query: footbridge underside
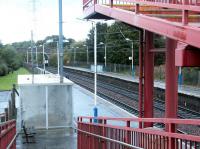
[(176, 19)]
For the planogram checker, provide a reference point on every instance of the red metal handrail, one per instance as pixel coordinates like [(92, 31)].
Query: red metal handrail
[(190, 5), (144, 138), (7, 134)]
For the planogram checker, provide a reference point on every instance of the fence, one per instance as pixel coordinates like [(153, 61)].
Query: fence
[(8, 135), (190, 76), (109, 135)]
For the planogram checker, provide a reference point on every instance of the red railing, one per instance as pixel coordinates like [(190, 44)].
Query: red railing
[(191, 5), (117, 133), (8, 135)]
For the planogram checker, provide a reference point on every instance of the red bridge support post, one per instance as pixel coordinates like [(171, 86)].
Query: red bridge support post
[(141, 76), (148, 77), (171, 92)]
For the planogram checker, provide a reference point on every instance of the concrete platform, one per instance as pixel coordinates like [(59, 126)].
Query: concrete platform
[(187, 90), (50, 139)]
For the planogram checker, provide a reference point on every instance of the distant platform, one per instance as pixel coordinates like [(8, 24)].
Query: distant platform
[(187, 90), (41, 79)]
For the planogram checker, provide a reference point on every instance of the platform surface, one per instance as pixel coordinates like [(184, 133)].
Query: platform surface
[(187, 90)]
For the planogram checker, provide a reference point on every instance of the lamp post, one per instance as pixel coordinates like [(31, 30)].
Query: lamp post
[(75, 54), (27, 57), (87, 54), (95, 70), (36, 56), (105, 53), (132, 54), (58, 57)]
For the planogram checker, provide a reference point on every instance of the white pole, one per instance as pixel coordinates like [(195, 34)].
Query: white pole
[(47, 110), (95, 64), (27, 56), (58, 58), (43, 59), (36, 56), (132, 59), (105, 55), (87, 56), (95, 73)]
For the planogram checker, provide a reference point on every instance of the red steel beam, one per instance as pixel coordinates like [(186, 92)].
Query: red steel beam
[(187, 56), (177, 31), (171, 91), (141, 77), (148, 77)]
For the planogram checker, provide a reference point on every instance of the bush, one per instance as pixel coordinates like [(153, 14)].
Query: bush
[(3, 69)]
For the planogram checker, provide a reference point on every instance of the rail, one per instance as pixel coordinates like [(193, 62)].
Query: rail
[(8, 135), (125, 130)]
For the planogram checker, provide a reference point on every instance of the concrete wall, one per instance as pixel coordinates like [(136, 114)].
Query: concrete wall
[(34, 100)]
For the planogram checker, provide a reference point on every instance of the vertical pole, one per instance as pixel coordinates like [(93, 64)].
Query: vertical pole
[(171, 91), (58, 58), (36, 56), (27, 56), (141, 77), (47, 110), (95, 73), (87, 56), (32, 57), (148, 77), (43, 59), (133, 73), (105, 57), (61, 41)]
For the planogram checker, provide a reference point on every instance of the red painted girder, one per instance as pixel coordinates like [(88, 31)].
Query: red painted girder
[(187, 56), (155, 120), (166, 5), (187, 34)]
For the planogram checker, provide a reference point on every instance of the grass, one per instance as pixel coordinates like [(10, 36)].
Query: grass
[(7, 81)]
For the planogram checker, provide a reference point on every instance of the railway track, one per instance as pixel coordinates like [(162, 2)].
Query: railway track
[(126, 99)]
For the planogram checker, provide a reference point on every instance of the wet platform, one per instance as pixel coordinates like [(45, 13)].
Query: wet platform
[(187, 90), (83, 105)]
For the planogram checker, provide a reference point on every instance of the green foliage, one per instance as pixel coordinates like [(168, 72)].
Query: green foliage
[(3, 69), (118, 48), (53, 60), (10, 59)]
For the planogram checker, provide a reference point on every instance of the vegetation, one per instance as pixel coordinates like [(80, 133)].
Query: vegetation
[(7, 81), (10, 59)]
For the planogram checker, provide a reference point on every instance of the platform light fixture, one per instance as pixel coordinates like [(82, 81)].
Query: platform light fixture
[(132, 65)]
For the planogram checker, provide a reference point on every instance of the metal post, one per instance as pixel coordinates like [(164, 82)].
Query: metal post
[(141, 77), (58, 58), (47, 106), (61, 41), (36, 55), (74, 56), (171, 91), (148, 77), (133, 73), (32, 57), (27, 56), (95, 72), (105, 57), (87, 55), (43, 59)]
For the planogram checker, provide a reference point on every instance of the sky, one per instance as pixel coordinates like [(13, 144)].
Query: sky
[(17, 20)]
